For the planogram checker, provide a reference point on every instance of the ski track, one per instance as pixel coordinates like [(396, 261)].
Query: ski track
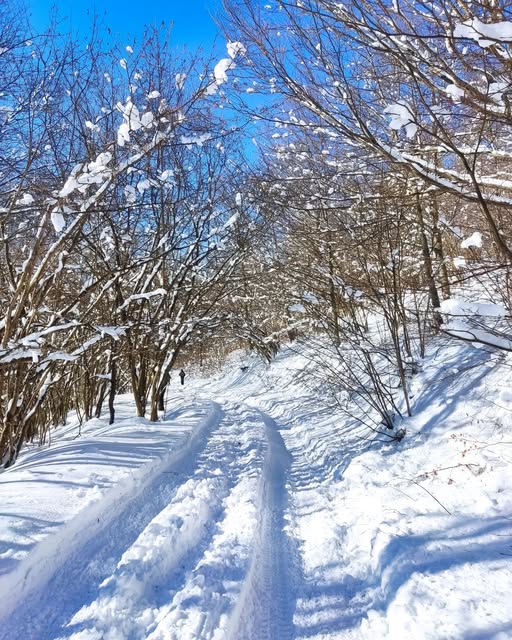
[(240, 588)]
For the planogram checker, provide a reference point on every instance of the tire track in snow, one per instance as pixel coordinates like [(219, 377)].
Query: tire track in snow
[(74, 561), (166, 553), (200, 607), (266, 605)]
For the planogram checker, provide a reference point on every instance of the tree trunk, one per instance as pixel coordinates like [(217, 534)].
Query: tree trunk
[(427, 263), (112, 392)]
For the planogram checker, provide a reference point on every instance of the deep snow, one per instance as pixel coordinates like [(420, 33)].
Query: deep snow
[(254, 511)]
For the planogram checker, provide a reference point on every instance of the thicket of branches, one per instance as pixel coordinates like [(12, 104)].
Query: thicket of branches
[(132, 233), (388, 156), (116, 221)]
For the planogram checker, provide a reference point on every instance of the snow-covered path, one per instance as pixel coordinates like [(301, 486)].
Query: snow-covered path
[(196, 551)]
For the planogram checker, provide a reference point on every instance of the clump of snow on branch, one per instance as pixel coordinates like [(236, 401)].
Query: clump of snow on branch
[(130, 194), (140, 297), (497, 89), (132, 121), (296, 308), (474, 240), (401, 116), (83, 175), (199, 139), (484, 34), (26, 199), (220, 69), (180, 80), (231, 221), (455, 92), (57, 220), (114, 332), (224, 65), (235, 48)]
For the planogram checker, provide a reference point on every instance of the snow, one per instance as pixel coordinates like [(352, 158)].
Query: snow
[(231, 221), (99, 165), (459, 307), (311, 298), (82, 176), (296, 308), (130, 194), (26, 199), (235, 48), (142, 185), (180, 80), (198, 139), (474, 240), (132, 121), (60, 355), (484, 34), (401, 116), (147, 119), (114, 332), (224, 65), (219, 71), (497, 89), (123, 134), (166, 175), (143, 296), (478, 322), (456, 93), (58, 220), (254, 511), (7, 356)]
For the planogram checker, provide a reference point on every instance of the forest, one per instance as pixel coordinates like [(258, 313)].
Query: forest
[(161, 208)]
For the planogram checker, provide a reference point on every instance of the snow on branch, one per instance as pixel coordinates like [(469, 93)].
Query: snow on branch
[(484, 34), (401, 116), (224, 65), (474, 240), (142, 296), (132, 121), (483, 323)]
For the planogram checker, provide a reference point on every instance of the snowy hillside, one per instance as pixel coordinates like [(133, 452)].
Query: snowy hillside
[(255, 512)]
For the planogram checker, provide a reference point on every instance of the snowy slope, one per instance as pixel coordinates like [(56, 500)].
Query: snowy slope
[(254, 512)]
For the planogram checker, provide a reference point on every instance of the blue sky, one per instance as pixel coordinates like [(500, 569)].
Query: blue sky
[(192, 21), (193, 25)]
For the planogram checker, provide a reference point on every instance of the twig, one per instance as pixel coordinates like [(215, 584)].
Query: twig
[(432, 496)]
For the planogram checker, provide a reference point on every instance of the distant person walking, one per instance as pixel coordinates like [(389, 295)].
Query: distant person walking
[(182, 376)]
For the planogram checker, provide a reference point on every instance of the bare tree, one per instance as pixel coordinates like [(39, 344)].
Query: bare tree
[(424, 86), (95, 229)]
